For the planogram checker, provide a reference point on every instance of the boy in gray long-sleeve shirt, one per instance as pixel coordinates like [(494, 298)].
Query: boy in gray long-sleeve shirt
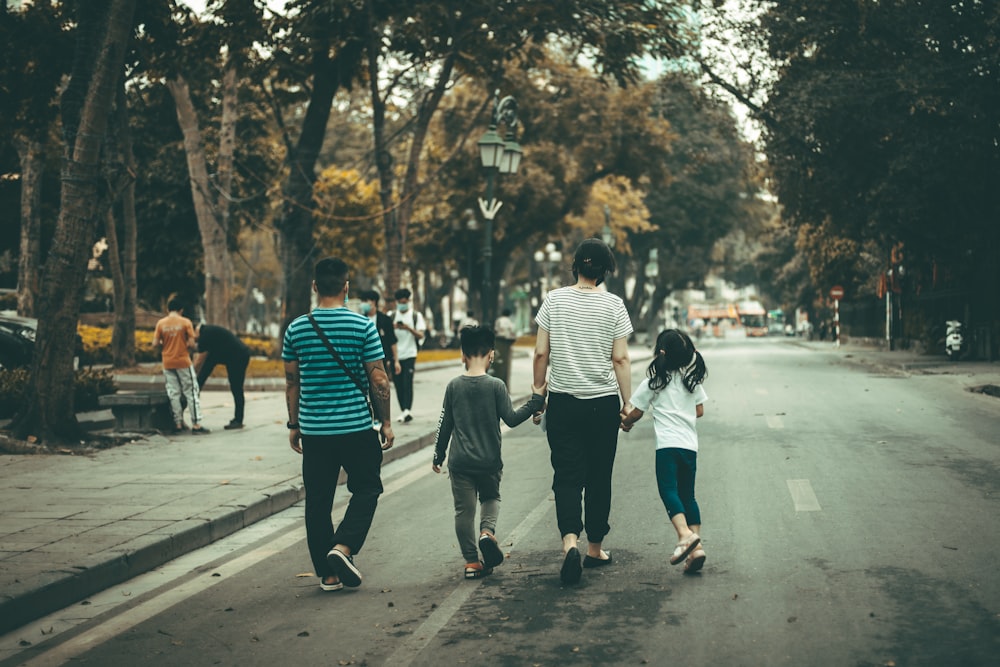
[(474, 404)]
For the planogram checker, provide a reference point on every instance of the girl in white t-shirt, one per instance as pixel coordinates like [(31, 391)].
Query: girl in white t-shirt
[(675, 395)]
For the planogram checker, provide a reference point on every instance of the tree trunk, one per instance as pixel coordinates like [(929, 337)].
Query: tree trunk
[(32, 166), (224, 174), (216, 261), (49, 411), (395, 238), (123, 260), (393, 258), (298, 250)]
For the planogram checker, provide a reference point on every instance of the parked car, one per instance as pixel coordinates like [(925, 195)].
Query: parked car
[(17, 341)]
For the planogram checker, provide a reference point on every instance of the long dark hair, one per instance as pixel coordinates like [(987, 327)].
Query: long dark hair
[(675, 353)]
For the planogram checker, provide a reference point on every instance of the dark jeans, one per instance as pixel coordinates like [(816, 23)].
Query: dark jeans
[(404, 383), (583, 440), (236, 373), (360, 455), (675, 472)]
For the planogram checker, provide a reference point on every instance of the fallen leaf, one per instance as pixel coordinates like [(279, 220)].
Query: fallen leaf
[(32, 439), (305, 574), (304, 633), (224, 482), (258, 458), (576, 649)]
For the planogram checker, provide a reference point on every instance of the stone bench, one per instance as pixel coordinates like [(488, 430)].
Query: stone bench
[(139, 411)]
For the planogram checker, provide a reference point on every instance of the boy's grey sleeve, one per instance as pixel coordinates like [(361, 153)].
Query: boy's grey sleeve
[(446, 424), (513, 417)]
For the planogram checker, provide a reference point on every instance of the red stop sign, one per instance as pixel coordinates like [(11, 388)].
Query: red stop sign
[(837, 292)]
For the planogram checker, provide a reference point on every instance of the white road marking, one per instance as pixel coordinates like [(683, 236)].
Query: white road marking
[(774, 421), (802, 495), (62, 653), (428, 630), (68, 650)]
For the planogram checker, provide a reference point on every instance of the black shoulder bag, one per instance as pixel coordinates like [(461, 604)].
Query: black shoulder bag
[(357, 383)]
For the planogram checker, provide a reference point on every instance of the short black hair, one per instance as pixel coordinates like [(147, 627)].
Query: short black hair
[(369, 295), (594, 260), (477, 341), (175, 304), (331, 274), (402, 293)]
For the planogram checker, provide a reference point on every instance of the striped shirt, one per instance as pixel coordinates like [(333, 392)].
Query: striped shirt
[(583, 327), (329, 401)]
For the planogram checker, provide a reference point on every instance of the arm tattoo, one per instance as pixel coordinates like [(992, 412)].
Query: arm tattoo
[(379, 388)]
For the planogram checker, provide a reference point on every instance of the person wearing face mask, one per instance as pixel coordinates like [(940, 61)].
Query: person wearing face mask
[(386, 332), (410, 330)]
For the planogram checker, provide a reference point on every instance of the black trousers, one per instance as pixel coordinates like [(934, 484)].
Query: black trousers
[(583, 441), (323, 456), (404, 383), (236, 373)]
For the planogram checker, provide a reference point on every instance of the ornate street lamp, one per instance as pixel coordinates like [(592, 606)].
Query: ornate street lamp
[(497, 156)]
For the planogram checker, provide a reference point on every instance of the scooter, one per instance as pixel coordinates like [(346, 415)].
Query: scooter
[(954, 340)]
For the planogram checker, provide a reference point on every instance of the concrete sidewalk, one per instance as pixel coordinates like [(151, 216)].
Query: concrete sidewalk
[(966, 374), (71, 526)]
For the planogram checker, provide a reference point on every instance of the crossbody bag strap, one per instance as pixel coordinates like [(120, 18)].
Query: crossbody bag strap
[(336, 357)]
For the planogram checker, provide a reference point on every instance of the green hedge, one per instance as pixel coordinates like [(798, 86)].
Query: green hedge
[(90, 384)]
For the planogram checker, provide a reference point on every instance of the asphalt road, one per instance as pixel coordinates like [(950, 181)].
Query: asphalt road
[(849, 519)]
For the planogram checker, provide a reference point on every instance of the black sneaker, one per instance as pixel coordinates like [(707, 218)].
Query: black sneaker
[(492, 555), (233, 425), (201, 430), (408, 418), (343, 564)]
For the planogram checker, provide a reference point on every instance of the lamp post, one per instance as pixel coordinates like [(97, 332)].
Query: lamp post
[(497, 156), (549, 257)]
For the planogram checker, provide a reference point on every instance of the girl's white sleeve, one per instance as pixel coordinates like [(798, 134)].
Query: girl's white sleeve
[(699, 395), (642, 396)]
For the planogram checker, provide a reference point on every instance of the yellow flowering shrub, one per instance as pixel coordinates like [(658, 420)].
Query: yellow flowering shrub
[(97, 345)]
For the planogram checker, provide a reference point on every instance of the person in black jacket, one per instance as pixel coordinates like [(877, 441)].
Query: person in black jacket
[(218, 345)]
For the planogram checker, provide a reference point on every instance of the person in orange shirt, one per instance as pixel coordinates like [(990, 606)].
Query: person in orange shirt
[(175, 335)]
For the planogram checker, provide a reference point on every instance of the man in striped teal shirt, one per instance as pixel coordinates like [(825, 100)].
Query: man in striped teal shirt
[(329, 422)]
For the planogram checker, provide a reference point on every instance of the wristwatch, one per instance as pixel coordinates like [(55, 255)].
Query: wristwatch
[(292, 426)]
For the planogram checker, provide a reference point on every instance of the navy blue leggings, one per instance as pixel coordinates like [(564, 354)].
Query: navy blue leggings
[(675, 473)]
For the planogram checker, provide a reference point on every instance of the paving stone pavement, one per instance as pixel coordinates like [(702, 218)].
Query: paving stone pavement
[(71, 526)]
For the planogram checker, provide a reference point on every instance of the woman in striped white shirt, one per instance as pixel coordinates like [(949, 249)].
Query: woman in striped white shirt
[(582, 340)]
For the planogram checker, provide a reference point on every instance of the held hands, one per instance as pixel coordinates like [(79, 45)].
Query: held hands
[(630, 415), (536, 418)]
